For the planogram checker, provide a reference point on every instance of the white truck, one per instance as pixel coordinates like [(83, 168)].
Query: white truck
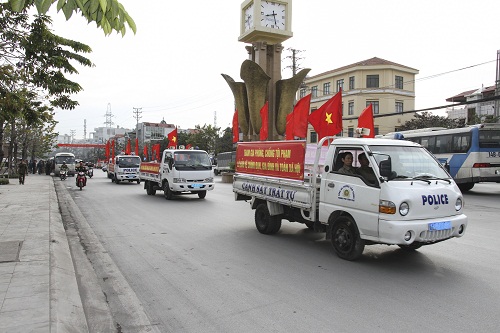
[(124, 168), (413, 201), (179, 172)]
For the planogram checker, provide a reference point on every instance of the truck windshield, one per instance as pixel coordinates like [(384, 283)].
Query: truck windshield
[(410, 162), (129, 162), (192, 160)]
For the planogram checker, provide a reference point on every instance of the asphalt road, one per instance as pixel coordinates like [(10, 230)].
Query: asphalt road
[(199, 265)]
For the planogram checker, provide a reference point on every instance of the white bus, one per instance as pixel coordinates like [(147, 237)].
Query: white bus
[(67, 158), (470, 154)]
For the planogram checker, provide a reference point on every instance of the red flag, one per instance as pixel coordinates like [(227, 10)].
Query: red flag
[(189, 146), (128, 148), (365, 120), (156, 151), (296, 122), (107, 150), (113, 149), (264, 115), (172, 139), (236, 133), (145, 152), (137, 146), (327, 120)]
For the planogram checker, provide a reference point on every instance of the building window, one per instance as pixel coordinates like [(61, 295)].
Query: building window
[(314, 137), (351, 82), (374, 106), (376, 130), (340, 84), (313, 109), (350, 132), (399, 82), (314, 91), (399, 107), (342, 109), (326, 88), (350, 110), (372, 81), (302, 92)]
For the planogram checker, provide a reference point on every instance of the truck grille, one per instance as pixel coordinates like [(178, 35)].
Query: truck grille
[(435, 235)]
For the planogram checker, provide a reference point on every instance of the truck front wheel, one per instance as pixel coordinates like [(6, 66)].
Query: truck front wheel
[(265, 223), (345, 239), (166, 191), (202, 194)]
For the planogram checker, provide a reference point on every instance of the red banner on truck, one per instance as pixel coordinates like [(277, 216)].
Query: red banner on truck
[(284, 159)]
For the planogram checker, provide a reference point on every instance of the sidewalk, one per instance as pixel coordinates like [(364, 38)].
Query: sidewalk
[(38, 287)]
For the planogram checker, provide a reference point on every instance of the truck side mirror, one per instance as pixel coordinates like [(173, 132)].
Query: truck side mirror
[(385, 168)]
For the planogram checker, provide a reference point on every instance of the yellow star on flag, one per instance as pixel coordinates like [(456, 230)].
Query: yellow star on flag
[(174, 139), (328, 118)]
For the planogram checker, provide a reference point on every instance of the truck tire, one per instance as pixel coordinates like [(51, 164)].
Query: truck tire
[(345, 239), (202, 194), (265, 223), (150, 190), (466, 187), (166, 191), (117, 181)]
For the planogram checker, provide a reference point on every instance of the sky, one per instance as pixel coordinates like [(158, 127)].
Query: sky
[(171, 68)]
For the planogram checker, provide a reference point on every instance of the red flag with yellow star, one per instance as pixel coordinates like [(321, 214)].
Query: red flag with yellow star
[(172, 139), (327, 120)]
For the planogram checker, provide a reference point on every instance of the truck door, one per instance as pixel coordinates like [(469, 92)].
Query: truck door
[(346, 190)]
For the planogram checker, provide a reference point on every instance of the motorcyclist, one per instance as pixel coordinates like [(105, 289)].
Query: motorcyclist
[(83, 169), (64, 167)]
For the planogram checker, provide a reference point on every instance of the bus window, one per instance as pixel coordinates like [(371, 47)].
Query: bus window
[(429, 142), (443, 144), (461, 143)]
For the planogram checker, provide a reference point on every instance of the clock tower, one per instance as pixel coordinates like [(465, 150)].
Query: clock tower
[(265, 25)]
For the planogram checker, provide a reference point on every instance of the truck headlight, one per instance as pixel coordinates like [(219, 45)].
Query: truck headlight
[(404, 208), (458, 204), (179, 180), (209, 180), (386, 207)]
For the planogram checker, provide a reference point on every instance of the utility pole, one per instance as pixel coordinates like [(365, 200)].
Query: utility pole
[(72, 134), (84, 129), (108, 116), (295, 58), (137, 116), (497, 86)]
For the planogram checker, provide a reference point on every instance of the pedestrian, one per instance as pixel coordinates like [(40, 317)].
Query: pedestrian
[(39, 167), (22, 169)]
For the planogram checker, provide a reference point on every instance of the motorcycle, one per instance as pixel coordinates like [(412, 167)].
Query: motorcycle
[(81, 180), (63, 174), (90, 172)]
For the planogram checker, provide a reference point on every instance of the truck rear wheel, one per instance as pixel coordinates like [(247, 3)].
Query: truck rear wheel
[(202, 194), (166, 191), (265, 223), (150, 190), (345, 239)]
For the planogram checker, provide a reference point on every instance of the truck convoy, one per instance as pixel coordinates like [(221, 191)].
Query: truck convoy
[(412, 200), (179, 172), (124, 168)]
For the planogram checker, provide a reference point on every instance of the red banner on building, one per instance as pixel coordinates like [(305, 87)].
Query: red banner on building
[(284, 159)]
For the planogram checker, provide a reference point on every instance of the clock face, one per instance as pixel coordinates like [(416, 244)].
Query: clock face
[(273, 15), (249, 17)]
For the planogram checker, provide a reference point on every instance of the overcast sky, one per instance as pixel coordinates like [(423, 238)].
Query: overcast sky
[(172, 67)]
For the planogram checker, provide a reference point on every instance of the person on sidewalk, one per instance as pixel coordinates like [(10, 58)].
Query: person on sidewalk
[(22, 169)]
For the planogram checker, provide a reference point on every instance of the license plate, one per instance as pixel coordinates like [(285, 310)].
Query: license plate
[(196, 185), (440, 225)]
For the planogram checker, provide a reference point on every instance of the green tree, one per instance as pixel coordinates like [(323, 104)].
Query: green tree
[(225, 142), (427, 119), (205, 137), (109, 15)]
